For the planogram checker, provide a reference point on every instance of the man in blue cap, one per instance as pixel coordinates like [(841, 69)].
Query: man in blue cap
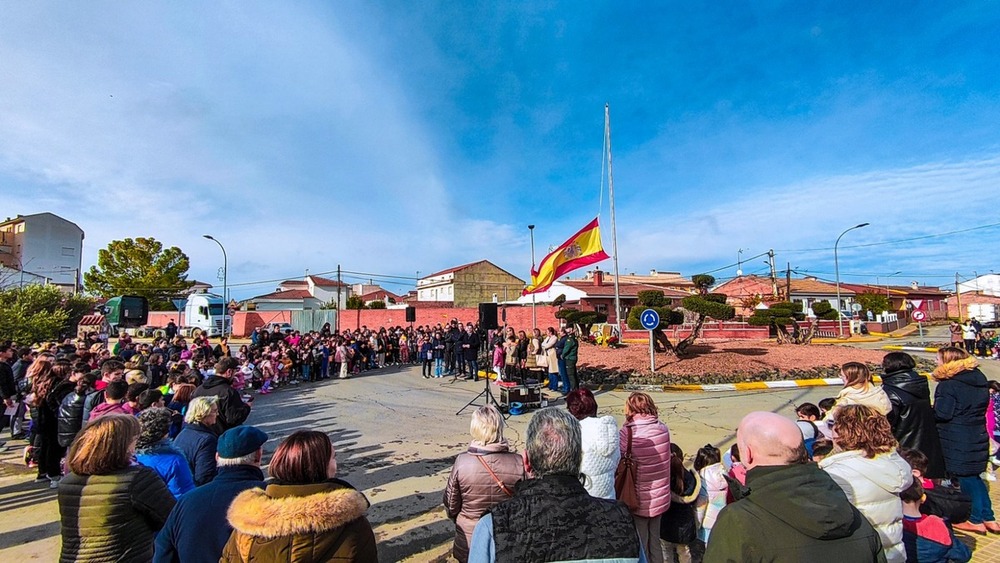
[(197, 530)]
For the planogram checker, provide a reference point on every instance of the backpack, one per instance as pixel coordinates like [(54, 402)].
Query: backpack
[(809, 442), (949, 503)]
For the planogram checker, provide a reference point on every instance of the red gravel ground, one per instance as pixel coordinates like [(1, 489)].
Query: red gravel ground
[(726, 357)]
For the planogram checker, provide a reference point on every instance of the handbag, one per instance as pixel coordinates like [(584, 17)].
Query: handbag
[(542, 361), (625, 481)]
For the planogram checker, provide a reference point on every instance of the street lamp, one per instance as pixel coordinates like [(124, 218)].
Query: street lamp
[(225, 283), (531, 233), (836, 269)]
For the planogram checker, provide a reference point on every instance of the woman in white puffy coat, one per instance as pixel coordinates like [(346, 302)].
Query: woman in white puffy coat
[(600, 444), (866, 466)]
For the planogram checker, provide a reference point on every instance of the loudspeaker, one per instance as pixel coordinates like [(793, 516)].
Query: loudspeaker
[(488, 316), (411, 315)]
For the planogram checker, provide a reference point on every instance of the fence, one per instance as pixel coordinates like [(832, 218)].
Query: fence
[(314, 319)]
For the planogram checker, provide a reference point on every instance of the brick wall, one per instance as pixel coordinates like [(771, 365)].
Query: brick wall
[(517, 317)]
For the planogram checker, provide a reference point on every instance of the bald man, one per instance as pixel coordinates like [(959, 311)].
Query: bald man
[(793, 511)]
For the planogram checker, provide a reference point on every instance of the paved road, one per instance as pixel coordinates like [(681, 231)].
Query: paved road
[(396, 435)]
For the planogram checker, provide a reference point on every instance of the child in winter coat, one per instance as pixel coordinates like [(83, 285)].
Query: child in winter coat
[(498, 359), (708, 464), (679, 524), (992, 428), (926, 537), (736, 475), (859, 390), (948, 503)]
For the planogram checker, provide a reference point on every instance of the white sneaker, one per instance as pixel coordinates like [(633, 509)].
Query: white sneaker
[(54, 482), (989, 476)]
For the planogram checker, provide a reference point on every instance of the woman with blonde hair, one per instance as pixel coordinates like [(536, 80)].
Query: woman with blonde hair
[(871, 473), (110, 509), (197, 440), (649, 441), (859, 389), (551, 359), (483, 476), (960, 402)]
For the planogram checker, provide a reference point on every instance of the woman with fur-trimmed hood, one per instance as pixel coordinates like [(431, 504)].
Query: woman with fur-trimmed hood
[(960, 402), (305, 514)]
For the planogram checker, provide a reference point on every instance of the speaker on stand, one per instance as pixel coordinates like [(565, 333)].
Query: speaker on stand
[(488, 316), (487, 322)]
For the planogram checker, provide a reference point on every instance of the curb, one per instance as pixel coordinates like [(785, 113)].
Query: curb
[(745, 386), (898, 347)]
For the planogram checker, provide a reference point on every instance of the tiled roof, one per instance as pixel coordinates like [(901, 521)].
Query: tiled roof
[(818, 287), (624, 289), (380, 294), (287, 295), (921, 290), (326, 282)]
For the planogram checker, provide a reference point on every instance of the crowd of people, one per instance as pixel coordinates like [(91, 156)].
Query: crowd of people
[(874, 474), (977, 339), (149, 449)]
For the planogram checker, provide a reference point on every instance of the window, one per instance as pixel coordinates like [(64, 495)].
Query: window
[(68, 251)]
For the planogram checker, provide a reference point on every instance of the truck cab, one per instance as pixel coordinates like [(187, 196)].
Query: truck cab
[(206, 313)]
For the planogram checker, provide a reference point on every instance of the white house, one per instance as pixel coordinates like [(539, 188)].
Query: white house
[(312, 292), (986, 284), (45, 245)]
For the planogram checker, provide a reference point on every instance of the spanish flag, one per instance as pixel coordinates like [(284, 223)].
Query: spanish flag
[(582, 249)]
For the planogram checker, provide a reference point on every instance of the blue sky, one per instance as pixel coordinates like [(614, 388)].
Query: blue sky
[(396, 137)]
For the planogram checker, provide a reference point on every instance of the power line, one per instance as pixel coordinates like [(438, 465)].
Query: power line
[(898, 241)]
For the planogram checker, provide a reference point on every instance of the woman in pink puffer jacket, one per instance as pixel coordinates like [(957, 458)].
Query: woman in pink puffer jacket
[(651, 451)]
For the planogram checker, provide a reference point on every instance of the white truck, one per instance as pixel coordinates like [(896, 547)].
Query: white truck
[(204, 313), (985, 312)]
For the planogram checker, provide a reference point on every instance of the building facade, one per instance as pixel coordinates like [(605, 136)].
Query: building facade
[(469, 285), (312, 292), (44, 245)]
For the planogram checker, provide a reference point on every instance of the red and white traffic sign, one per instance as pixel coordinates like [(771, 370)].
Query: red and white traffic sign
[(919, 316)]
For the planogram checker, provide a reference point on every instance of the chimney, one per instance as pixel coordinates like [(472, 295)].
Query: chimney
[(652, 272), (598, 278)]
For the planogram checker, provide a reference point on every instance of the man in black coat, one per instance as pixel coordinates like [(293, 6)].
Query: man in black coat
[(197, 530), (452, 338), (232, 410), (470, 351)]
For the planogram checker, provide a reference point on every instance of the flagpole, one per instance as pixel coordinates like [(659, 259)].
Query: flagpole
[(614, 229), (534, 319)]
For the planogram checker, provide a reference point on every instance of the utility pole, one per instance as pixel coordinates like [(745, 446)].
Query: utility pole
[(774, 273), (339, 310), (788, 282), (958, 299)]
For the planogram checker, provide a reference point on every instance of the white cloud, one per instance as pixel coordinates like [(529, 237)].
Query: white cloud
[(810, 214)]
